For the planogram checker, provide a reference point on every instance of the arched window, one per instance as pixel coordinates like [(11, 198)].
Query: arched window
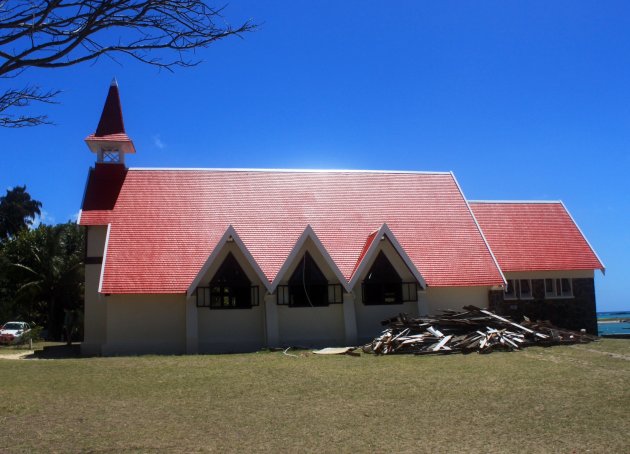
[(308, 286), (230, 287), (382, 285)]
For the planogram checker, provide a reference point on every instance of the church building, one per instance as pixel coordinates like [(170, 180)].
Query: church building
[(228, 260)]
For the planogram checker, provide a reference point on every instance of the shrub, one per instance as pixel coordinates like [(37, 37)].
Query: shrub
[(35, 334)]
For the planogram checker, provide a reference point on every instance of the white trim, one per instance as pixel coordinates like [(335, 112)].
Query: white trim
[(419, 172), (306, 234), (585, 239), (100, 279), (496, 263), (229, 232), (384, 230), (515, 201), (79, 217)]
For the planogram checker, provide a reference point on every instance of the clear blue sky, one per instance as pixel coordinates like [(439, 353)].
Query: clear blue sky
[(522, 100)]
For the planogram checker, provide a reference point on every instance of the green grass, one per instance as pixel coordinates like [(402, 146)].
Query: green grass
[(560, 399)]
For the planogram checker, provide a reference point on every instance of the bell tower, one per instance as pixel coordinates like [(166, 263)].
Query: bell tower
[(110, 142)]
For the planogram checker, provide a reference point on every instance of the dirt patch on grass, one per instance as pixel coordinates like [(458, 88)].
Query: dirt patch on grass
[(612, 355), (19, 354)]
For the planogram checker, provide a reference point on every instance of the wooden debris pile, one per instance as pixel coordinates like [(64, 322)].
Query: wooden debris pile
[(473, 330)]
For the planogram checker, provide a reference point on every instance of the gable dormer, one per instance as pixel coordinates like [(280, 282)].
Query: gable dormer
[(385, 272), (110, 142), (309, 276)]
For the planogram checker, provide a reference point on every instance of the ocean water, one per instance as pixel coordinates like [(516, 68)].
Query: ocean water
[(613, 327)]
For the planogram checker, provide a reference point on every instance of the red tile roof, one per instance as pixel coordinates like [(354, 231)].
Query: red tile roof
[(118, 137), (534, 236), (366, 247), (165, 223)]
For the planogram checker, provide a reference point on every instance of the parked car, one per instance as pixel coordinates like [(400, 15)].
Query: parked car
[(12, 332)]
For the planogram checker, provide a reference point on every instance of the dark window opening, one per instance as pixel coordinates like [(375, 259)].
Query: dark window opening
[(510, 290), (335, 295), (558, 288), (308, 287), (566, 289), (383, 285), (550, 287), (230, 288), (525, 289)]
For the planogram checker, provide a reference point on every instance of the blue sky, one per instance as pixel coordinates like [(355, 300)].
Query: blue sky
[(521, 100)]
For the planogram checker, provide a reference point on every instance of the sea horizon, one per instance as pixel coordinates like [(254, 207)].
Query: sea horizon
[(613, 322)]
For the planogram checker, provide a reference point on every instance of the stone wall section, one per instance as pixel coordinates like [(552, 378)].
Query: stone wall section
[(574, 313)]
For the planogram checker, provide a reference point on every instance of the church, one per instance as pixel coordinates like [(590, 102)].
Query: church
[(185, 261)]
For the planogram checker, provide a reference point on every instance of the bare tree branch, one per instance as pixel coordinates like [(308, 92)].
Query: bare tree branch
[(59, 33), (24, 98)]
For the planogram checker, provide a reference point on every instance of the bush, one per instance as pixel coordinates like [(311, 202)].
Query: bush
[(35, 334)]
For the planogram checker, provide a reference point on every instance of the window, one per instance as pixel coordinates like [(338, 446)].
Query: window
[(112, 156), (335, 295), (308, 287), (510, 290), (409, 291), (230, 288), (525, 287), (566, 287), (558, 288), (383, 285)]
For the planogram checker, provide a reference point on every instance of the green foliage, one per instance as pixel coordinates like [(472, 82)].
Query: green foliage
[(5, 291), (35, 335), (17, 211), (42, 271)]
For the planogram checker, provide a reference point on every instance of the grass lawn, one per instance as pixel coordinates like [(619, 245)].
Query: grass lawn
[(560, 399), (7, 349)]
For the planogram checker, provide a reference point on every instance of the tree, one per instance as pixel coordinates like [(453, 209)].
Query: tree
[(17, 211), (45, 269), (58, 33)]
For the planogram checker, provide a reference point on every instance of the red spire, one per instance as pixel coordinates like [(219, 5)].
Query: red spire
[(111, 119), (110, 133)]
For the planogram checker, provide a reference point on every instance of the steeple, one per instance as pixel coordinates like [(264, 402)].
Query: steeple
[(110, 142)]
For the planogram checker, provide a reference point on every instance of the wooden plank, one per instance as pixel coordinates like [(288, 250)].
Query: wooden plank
[(505, 320), (441, 343)]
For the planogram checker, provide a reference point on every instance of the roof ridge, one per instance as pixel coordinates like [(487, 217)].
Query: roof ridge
[(516, 201), (245, 169)]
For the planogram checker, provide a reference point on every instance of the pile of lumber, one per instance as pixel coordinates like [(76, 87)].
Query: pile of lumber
[(472, 330)]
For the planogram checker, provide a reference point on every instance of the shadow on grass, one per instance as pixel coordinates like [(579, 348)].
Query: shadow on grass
[(57, 352)]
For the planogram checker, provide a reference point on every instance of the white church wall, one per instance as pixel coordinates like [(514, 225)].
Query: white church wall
[(455, 298), (95, 308), (142, 324)]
